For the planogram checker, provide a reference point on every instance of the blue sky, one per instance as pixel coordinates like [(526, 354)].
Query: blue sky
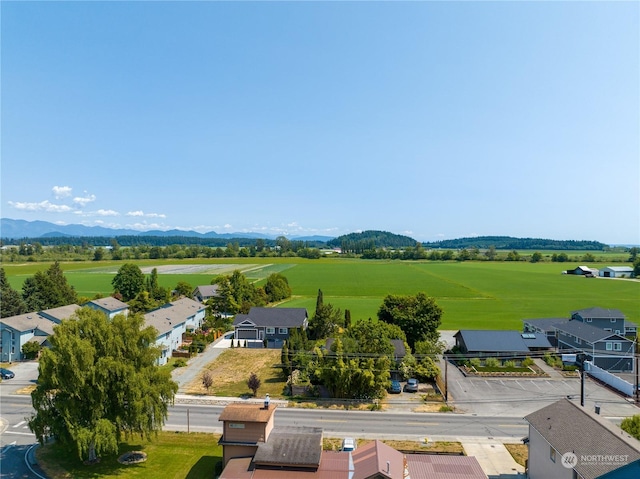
[(433, 119)]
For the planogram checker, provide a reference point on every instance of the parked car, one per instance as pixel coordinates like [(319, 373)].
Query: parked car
[(395, 388), (411, 386), (6, 374), (348, 444)]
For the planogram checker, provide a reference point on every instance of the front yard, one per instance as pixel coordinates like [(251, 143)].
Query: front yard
[(232, 369)]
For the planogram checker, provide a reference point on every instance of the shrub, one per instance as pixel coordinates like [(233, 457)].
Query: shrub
[(491, 362), (31, 349), (526, 362), (509, 364), (180, 363), (475, 362)]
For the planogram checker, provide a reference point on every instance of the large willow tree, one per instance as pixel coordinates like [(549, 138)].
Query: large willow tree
[(99, 382)]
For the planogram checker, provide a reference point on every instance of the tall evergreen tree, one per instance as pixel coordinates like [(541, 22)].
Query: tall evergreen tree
[(11, 303), (48, 289)]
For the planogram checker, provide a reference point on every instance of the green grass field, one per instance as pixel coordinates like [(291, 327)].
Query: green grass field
[(473, 295)]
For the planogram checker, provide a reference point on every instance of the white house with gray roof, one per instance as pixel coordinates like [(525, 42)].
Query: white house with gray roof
[(15, 331), (566, 441), (171, 321), (616, 272), (110, 306)]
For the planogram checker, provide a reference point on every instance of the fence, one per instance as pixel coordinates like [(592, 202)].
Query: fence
[(617, 383)]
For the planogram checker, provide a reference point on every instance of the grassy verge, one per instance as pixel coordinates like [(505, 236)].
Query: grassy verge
[(520, 452), (333, 444), (170, 455), (233, 367)]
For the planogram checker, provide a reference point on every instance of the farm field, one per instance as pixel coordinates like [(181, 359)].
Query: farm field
[(473, 295)]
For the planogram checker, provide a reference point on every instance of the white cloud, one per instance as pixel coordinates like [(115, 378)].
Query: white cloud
[(83, 200), (135, 213), (42, 206), (155, 215), (227, 226), (107, 213), (61, 191)]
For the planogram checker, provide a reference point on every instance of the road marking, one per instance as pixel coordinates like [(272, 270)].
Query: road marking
[(7, 447), (422, 423), (330, 420), (20, 423), (20, 433), (512, 425)]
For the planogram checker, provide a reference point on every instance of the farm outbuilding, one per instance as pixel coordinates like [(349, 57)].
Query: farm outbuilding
[(616, 272)]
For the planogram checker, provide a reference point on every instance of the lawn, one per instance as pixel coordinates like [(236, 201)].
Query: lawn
[(473, 295), (233, 367), (170, 455)]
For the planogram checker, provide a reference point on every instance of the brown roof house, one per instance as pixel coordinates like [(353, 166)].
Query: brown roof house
[(567, 441), (254, 449)]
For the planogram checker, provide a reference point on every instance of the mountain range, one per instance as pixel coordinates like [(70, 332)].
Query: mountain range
[(16, 229)]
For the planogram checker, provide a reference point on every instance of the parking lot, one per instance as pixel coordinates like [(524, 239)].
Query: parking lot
[(517, 397)]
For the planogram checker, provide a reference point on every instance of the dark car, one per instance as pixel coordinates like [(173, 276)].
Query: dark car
[(6, 374), (411, 386), (395, 388)]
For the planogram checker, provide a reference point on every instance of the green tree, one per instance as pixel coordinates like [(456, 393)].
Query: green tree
[(128, 281), (636, 268), (30, 349), (536, 257), (183, 289), (48, 289), (99, 382), (236, 294), (11, 303), (632, 425), (325, 321), (98, 254), (277, 288), (418, 316), (588, 258)]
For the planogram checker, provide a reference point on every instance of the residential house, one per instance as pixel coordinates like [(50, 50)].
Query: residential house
[(399, 348), (607, 350), (205, 292), (296, 453), (500, 343), (110, 306), (568, 442), (543, 326), (171, 321), (607, 319), (272, 324), (61, 312), (616, 272), (15, 331)]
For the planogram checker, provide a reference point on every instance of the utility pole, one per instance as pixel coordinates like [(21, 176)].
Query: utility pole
[(636, 393), (582, 374), (446, 383)]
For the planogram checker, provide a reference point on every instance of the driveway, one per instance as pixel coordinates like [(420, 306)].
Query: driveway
[(185, 375)]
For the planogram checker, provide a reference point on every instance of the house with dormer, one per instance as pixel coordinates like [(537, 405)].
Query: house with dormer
[(612, 320), (110, 306)]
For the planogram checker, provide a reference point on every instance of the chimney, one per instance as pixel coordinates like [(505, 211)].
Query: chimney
[(597, 408)]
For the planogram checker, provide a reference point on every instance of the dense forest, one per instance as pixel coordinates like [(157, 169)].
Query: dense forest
[(358, 243), (510, 243)]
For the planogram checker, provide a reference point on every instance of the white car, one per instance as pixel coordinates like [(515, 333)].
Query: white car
[(348, 444)]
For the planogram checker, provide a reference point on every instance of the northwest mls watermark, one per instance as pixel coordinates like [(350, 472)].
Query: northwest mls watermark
[(571, 460)]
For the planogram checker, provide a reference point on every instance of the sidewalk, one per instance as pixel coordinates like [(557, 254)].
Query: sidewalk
[(493, 456), (552, 372)]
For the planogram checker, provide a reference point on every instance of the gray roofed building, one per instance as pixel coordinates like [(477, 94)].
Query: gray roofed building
[(61, 312), (564, 437), (110, 306), (585, 331), (299, 447), (484, 342), (271, 324), (205, 292), (597, 312)]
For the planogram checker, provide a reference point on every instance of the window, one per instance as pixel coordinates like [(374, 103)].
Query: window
[(608, 329), (617, 331), (283, 330), (552, 454), (617, 346), (578, 340), (613, 320), (271, 330), (609, 346), (588, 320)]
